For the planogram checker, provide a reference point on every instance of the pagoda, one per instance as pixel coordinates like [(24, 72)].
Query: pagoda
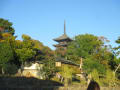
[(62, 40)]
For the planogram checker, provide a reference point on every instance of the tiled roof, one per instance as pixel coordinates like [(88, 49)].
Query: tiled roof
[(66, 61), (63, 37)]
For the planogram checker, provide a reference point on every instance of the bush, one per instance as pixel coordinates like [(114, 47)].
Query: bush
[(67, 74), (110, 78), (10, 69), (95, 76), (89, 65)]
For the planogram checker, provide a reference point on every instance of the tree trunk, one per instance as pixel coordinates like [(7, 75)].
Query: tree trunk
[(81, 63), (117, 68), (3, 72)]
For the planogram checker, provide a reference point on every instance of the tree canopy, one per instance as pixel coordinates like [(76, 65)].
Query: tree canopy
[(6, 26), (91, 48), (6, 53)]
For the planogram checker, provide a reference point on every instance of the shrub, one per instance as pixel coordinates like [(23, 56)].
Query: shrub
[(95, 76), (10, 69)]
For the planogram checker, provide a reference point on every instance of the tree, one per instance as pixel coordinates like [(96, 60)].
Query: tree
[(110, 78), (6, 54), (95, 54), (95, 76), (45, 55), (118, 48), (6, 26), (117, 70), (83, 46), (89, 65), (49, 68), (25, 54), (67, 74), (24, 49), (27, 41), (30, 49)]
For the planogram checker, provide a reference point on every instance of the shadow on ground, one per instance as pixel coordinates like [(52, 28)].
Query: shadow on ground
[(30, 83)]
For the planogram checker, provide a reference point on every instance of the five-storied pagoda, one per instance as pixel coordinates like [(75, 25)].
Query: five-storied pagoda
[(62, 40)]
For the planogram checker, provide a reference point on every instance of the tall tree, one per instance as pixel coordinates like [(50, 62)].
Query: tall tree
[(118, 55), (6, 54), (93, 51), (24, 49), (84, 46), (6, 26)]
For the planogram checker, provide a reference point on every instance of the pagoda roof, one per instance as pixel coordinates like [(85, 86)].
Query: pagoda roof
[(62, 38)]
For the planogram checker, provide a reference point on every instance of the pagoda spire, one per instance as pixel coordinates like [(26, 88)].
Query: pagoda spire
[(63, 39), (64, 27)]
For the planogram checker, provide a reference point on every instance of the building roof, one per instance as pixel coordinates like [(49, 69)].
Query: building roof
[(62, 38), (62, 60)]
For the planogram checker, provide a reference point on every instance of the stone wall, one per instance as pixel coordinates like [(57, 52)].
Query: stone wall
[(30, 73)]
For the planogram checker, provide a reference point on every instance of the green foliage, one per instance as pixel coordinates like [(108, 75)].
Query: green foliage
[(6, 26), (17, 51), (67, 72), (95, 54), (95, 75), (84, 45), (49, 68), (25, 54), (27, 41), (24, 49), (10, 69), (6, 53), (26, 37), (89, 65), (118, 57), (32, 50), (118, 48), (110, 78), (118, 41), (42, 52)]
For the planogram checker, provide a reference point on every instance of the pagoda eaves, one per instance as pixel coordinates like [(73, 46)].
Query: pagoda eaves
[(62, 38)]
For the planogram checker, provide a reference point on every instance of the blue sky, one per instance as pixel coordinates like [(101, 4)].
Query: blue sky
[(44, 19)]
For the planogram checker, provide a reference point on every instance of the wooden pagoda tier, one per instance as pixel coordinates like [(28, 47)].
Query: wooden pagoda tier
[(60, 45), (62, 40)]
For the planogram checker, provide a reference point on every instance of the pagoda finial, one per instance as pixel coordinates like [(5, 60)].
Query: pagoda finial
[(64, 27)]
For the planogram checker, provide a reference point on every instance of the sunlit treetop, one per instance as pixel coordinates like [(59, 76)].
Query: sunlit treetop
[(6, 26)]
